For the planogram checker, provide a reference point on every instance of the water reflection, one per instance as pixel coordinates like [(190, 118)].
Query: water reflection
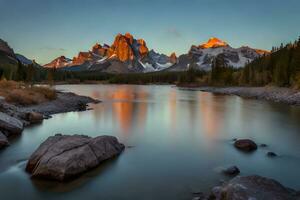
[(179, 137), (211, 115), (173, 110)]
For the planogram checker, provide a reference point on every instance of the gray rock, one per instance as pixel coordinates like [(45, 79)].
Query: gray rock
[(3, 141), (245, 145), (252, 187), (34, 117), (10, 124), (233, 170), (263, 145), (62, 157), (271, 154)]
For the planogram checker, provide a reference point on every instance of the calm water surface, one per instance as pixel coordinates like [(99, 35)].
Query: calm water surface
[(179, 139)]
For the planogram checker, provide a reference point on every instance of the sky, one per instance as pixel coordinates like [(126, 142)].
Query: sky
[(45, 29)]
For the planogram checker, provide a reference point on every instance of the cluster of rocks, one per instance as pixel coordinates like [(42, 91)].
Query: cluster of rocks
[(62, 157), (14, 118), (281, 95), (249, 187), (248, 145), (13, 121)]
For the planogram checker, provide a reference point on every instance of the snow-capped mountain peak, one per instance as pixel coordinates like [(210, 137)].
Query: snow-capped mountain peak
[(202, 56), (213, 43)]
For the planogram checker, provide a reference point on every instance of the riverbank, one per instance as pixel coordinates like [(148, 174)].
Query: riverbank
[(65, 102), (14, 118), (274, 94)]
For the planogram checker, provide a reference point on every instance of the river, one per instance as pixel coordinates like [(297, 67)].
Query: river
[(178, 141)]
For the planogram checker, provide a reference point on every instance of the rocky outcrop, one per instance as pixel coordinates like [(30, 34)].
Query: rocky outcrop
[(142, 47), (252, 188), (245, 145), (173, 58), (10, 125), (121, 47), (62, 157), (100, 50), (3, 141), (82, 58)]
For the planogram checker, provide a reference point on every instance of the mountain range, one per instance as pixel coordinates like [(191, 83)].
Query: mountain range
[(127, 54)]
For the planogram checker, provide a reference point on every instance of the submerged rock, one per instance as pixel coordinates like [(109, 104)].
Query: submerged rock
[(62, 157), (252, 187), (10, 125), (263, 145), (245, 145), (3, 141), (233, 170), (271, 154)]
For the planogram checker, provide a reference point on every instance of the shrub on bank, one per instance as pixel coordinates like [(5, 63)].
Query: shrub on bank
[(21, 94)]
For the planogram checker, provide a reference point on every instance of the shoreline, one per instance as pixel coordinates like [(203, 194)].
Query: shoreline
[(65, 102), (273, 94), (14, 119)]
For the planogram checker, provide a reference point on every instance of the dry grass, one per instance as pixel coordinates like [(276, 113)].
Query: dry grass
[(21, 94)]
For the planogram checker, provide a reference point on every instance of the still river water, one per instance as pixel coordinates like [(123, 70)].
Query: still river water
[(179, 141)]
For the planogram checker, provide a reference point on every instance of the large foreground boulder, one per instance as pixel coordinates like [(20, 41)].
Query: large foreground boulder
[(10, 125), (252, 188), (245, 145), (62, 157), (3, 141)]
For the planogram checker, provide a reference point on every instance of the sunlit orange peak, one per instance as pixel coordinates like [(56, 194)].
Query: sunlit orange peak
[(213, 43)]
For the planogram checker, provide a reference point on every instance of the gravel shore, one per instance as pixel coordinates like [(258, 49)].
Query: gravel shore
[(274, 94)]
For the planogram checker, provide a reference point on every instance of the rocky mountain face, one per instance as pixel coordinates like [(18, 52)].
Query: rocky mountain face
[(202, 56), (125, 55), (4, 47), (59, 62), (128, 54)]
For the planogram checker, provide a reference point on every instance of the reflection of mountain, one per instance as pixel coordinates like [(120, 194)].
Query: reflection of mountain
[(126, 110), (211, 117), (173, 109), (122, 108), (125, 106)]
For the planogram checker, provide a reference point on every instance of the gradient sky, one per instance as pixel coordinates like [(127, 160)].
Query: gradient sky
[(45, 29)]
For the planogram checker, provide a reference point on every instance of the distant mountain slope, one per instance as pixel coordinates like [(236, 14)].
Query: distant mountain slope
[(23, 59), (202, 56), (125, 55)]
